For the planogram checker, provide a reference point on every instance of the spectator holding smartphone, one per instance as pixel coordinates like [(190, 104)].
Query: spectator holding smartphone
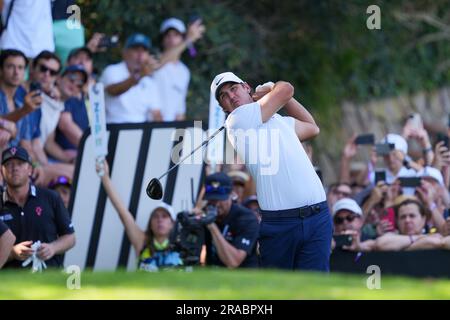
[(395, 161)]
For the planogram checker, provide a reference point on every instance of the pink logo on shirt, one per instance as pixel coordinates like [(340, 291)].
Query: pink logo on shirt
[(38, 211)]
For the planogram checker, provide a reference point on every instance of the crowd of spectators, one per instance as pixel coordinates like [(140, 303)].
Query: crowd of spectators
[(399, 201)]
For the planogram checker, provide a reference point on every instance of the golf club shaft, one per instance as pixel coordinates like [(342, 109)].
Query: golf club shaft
[(193, 151)]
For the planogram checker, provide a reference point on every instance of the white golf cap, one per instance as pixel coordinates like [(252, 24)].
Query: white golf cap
[(347, 204), (399, 142), (172, 23), (168, 208), (221, 79), (431, 173)]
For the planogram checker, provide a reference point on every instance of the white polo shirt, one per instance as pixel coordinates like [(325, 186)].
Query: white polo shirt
[(172, 81), (274, 156), (30, 27), (134, 105)]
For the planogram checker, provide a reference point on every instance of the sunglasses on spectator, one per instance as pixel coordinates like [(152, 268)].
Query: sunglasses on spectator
[(217, 190), (75, 79), (342, 193), (340, 220), (44, 69)]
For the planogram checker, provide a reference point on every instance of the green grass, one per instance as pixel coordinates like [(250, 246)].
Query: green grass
[(215, 284)]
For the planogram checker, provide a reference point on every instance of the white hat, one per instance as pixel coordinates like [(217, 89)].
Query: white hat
[(173, 23), (168, 208), (399, 142), (347, 204), (432, 173), (221, 79)]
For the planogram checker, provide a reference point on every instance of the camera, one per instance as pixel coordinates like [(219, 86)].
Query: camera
[(188, 235), (35, 86)]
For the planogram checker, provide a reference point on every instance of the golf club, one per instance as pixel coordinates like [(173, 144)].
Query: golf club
[(154, 188)]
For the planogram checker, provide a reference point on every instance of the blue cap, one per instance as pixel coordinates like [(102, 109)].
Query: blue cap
[(138, 39), (76, 68), (15, 153), (218, 186)]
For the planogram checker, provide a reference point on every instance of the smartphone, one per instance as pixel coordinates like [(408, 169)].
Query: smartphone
[(383, 149), (343, 240), (412, 182), (389, 215), (443, 137), (109, 41), (380, 175), (415, 121), (35, 86), (368, 138)]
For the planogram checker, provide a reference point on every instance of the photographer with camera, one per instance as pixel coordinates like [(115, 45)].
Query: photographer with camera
[(152, 246), (231, 240)]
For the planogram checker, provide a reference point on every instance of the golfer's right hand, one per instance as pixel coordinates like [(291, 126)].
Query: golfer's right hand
[(22, 251)]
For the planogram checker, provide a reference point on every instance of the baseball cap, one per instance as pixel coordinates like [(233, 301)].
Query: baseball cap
[(221, 79), (60, 181), (433, 173), (218, 186), (15, 153), (168, 208), (138, 39), (398, 141), (76, 51), (172, 23), (238, 177), (347, 204), (76, 68)]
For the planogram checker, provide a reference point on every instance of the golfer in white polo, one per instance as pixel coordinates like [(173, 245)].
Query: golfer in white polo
[(296, 227)]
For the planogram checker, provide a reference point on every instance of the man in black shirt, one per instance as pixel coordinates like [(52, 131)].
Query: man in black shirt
[(32, 213), (6, 242), (231, 240)]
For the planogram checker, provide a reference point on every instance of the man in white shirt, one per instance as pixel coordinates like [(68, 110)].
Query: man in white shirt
[(173, 78), (29, 28), (296, 226), (131, 95)]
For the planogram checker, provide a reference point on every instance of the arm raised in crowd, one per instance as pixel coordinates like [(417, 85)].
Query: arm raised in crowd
[(134, 233), (32, 102), (195, 32)]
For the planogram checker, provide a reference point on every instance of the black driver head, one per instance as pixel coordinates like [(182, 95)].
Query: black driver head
[(154, 189)]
